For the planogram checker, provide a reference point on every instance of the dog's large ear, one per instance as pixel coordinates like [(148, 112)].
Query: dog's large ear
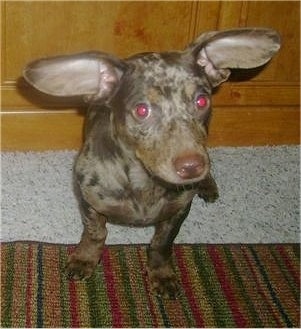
[(93, 75), (245, 48)]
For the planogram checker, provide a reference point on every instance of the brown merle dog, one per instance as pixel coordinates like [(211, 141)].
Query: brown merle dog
[(144, 157)]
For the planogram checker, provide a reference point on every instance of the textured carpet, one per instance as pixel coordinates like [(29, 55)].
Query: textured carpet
[(259, 199), (222, 286)]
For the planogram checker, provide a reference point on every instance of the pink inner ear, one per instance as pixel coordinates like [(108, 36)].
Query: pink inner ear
[(209, 68), (107, 82)]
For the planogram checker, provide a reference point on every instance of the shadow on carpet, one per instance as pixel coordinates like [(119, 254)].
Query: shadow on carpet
[(222, 286)]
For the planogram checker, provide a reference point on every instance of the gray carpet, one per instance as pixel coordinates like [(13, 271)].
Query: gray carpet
[(259, 199)]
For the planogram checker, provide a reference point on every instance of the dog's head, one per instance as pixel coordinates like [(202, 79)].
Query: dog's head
[(160, 102)]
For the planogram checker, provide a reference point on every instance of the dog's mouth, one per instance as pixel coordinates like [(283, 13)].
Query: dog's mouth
[(178, 182), (178, 187)]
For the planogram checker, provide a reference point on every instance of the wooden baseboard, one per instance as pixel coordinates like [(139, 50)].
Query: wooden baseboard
[(236, 126), (246, 126)]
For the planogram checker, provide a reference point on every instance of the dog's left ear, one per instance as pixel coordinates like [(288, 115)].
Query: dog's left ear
[(245, 48)]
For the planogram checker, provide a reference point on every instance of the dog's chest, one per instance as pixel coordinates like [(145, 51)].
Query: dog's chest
[(126, 194)]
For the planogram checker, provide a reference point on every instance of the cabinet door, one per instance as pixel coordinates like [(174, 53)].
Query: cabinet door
[(34, 29)]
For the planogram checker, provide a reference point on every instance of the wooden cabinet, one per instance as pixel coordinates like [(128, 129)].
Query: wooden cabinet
[(263, 110)]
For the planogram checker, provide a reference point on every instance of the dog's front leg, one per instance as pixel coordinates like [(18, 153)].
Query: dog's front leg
[(162, 277), (208, 189), (83, 261)]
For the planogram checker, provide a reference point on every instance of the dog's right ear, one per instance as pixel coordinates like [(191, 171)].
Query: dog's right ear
[(93, 75)]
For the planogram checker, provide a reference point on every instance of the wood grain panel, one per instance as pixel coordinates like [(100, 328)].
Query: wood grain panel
[(246, 126), (46, 28), (229, 94), (34, 131), (80, 26), (262, 110), (239, 126), (284, 16), (38, 29), (232, 14), (260, 94), (206, 16)]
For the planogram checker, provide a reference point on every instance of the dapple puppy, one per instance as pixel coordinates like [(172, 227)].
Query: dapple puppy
[(144, 157)]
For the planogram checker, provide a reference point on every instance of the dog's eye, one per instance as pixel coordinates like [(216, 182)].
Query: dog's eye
[(202, 102), (142, 111)]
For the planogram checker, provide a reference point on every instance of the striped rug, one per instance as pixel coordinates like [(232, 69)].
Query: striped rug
[(222, 286)]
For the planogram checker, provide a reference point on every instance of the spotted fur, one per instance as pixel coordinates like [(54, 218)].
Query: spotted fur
[(143, 167)]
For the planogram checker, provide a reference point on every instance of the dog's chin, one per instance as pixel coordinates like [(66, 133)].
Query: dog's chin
[(173, 181)]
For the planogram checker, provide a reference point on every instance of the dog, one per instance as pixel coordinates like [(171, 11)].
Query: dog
[(144, 155)]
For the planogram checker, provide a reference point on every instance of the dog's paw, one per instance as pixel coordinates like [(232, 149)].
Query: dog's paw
[(79, 269), (209, 195), (208, 189), (164, 282)]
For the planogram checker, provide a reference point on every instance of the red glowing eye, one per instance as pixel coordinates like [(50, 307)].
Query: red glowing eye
[(201, 101), (142, 111)]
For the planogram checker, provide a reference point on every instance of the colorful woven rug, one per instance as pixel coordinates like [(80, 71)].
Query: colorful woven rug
[(222, 286)]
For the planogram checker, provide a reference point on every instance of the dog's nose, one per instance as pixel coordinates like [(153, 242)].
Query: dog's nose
[(189, 166)]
